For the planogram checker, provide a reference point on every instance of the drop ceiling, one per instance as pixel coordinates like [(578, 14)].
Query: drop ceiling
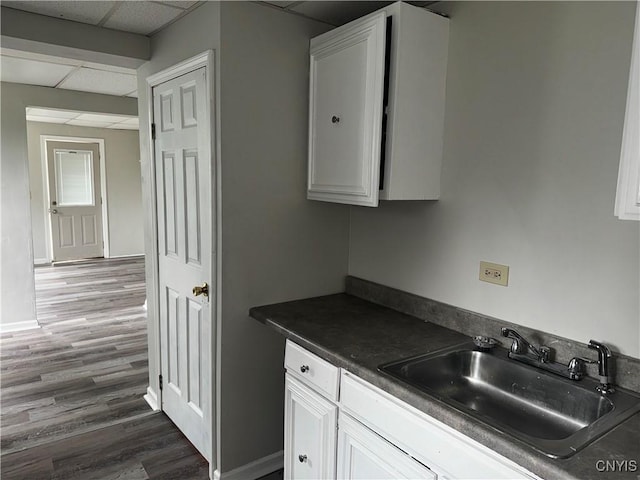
[(46, 71), (140, 17), (82, 119)]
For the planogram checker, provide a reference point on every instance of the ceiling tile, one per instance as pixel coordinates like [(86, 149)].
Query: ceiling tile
[(100, 81), (49, 112), (98, 117), (184, 4), (10, 52), (336, 12), (31, 72), (142, 17), (280, 4), (82, 123), (76, 10), (45, 119), (131, 121), (109, 68), (122, 126)]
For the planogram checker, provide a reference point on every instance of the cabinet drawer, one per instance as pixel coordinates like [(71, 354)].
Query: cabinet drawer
[(429, 441), (312, 370)]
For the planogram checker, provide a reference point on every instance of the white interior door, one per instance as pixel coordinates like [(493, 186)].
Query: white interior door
[(75, 207), (184, 219)]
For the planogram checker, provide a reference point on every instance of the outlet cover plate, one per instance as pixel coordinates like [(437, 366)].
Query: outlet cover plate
[(494, 273)]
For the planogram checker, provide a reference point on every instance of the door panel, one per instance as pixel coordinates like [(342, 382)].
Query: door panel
[(309, 433), (74, 200), (89, 230), (65, 225), (346, 98), (184, 206)]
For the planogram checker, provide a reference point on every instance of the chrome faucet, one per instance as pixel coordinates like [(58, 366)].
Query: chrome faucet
[(524, 351), (520, 345), (604, 356), (521, 350)]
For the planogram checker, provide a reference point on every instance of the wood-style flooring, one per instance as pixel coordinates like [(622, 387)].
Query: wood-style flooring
[(72, 391)]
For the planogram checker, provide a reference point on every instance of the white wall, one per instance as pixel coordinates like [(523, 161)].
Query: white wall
[(276, 245), (535, 106), (124, 190), (17, 290)]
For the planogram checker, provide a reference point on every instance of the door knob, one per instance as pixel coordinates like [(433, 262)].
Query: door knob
[(53, 210), (201, 290)]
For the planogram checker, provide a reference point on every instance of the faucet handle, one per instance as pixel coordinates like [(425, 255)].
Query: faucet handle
[(577, 368), (545, 353)]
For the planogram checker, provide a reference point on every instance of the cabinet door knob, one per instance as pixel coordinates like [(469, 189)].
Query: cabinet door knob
[(302, 458), (304, 368), (335, 119)]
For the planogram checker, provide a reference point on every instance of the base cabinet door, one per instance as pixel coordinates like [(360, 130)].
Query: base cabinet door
[(310, 433), (364, 455)]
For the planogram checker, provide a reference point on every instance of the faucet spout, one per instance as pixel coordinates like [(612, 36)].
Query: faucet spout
[(521, 345)]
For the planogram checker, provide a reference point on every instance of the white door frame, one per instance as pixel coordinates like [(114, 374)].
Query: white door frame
[(153, 397), (46, 198)]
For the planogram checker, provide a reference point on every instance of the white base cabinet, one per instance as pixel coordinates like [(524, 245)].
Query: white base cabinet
[(363, 455), (310, 433), (340, 426)]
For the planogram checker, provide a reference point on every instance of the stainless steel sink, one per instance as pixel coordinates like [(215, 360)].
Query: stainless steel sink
[(554, 415)]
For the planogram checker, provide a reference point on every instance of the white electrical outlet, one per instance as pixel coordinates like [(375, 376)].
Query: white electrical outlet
[(494, 273)]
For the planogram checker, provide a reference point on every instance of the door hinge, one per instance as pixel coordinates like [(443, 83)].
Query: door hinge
[(160, 380), (153, 131)]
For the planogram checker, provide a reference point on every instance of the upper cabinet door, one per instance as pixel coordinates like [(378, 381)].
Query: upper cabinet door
[(345, 112)]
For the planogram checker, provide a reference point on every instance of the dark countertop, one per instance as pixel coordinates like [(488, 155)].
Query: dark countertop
[(358, 336)]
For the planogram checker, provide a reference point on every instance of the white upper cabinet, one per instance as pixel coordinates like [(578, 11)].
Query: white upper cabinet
[(376, 108)]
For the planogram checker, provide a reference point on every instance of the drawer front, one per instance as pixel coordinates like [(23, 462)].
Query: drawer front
[(312, 370), (441, 448)]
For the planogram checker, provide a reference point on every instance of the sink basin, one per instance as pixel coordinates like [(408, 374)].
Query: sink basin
[(554, 415)]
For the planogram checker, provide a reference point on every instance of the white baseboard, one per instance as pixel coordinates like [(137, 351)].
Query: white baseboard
[(152, 399), (259, 468), (41, 261), (18, 326)]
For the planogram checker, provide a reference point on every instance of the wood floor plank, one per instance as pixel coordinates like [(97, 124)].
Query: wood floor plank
[(72, 391)]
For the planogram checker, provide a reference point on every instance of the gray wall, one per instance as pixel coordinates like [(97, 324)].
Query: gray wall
[(124, 192), (535, 106), (17, 291), (276, 245)]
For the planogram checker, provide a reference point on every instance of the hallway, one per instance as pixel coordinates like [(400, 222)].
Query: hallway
[(72, 391)]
